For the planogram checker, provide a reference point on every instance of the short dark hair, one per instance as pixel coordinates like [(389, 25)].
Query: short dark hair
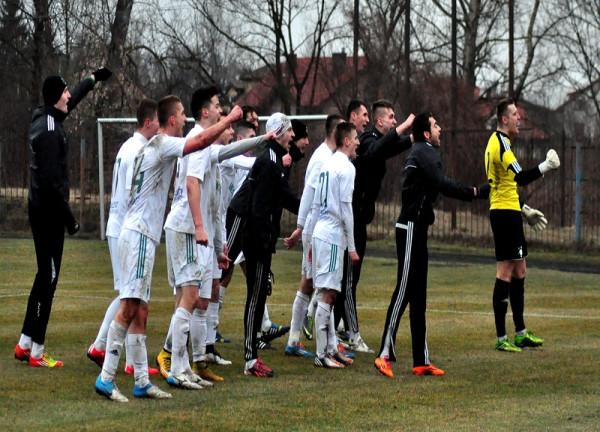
[(146, 110), (246, 109), (421, 125), (343, 130), (242, 126), (201, 99), (353, 106), (503, 106), (166, 108), (332, 121), (378, 105)]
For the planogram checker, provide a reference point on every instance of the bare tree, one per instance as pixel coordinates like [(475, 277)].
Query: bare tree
[(264, 31)]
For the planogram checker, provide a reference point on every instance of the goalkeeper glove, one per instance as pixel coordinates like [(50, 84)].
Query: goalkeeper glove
[(101, 74), (552, 162), (534, 218)]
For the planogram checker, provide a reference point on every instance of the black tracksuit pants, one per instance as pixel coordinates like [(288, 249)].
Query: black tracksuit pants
[(48, 238), (411, 288), (258, 267), (234, 226), (345, 304)]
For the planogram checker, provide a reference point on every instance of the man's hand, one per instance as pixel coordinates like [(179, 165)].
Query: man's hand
[(552, 162), (235, 114), (101, 74), (73, 228), (534, 218), (201, 236), (354, 257), (290, 242), (223, 261), (270, 135), (287, 160), (405, 125)]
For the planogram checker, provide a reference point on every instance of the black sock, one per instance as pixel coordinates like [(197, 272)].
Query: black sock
[(500, 302), (517, 302)]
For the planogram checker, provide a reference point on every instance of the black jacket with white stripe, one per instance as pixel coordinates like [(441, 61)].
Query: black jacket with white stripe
[(374, 150), (424, 180), (262, 196), (49, 173)]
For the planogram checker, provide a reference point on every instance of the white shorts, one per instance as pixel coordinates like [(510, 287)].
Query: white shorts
[(207, 264), (113, 250), (183, 262), (328, 265), (307, 267), (136, 258)]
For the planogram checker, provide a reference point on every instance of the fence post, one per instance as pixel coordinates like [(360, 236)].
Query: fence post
[(101, 178), (81, 181), (563, 180), (578, 194)]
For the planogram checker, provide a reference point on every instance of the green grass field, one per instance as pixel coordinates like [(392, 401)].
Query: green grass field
[(554, 388)]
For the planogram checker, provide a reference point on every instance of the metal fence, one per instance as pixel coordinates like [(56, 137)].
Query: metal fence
[(570, 196)]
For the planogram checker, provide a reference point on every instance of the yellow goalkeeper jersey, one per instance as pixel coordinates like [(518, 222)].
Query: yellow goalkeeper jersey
[(501, 166)]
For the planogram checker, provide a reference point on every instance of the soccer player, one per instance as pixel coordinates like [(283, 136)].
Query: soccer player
[(311, 181), (198, 211), (424, 180), (147, 126), (49, 210), (504, 176), (138, 239), (332, 234), (385, 139), (259, 199)]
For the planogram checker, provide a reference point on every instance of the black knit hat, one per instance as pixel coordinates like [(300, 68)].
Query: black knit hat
[(53, 88), (300, 130)]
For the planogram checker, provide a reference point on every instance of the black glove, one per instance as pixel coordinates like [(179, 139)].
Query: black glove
[(102, 74), (483, 191), (72, 228)]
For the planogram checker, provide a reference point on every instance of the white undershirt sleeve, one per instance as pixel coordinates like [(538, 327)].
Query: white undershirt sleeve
[(348, 221)]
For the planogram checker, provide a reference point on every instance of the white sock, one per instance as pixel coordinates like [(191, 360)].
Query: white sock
[(198, 333), (266, 322), (25, 341), (222, 290), (114, 345), (181, 329), (168, 345), (331, 336), (298, 312), (322, 328), (109, 316), (37, 350), (502, 338), (522, 332), (136, 345), (249, 364), (312, 305), (212, 322)]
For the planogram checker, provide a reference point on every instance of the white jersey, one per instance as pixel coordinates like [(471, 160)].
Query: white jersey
[(153, 169), (336, 184), (180, 218), (231, 170), (311, 180), (121, 182), (204, 165)]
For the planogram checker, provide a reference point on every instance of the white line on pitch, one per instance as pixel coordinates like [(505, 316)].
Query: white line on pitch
[(367, 307)]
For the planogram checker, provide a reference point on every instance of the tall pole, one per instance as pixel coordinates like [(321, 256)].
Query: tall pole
[(511, 44), (407, 96), (355, 50), (453, 100)]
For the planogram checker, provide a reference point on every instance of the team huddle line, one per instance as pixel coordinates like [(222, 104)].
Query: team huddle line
[(226, 210)]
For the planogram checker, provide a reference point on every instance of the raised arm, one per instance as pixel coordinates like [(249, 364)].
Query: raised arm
[(210, 134)]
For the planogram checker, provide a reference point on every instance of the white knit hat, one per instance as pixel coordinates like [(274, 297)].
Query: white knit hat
[(278, 123)]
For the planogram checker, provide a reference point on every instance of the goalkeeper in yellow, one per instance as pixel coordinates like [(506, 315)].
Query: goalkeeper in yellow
[(504, 175)]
